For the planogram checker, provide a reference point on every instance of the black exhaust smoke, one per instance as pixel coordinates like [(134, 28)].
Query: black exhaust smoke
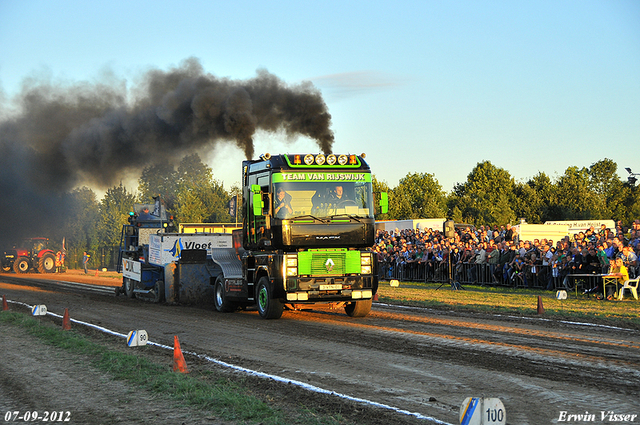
[(95, 133)]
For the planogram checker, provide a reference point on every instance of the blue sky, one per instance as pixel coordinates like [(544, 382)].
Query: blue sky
[(420, 86)]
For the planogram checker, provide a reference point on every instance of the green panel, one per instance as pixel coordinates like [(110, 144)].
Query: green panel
[(257, 204), (304, 262), (320, 177), (329, 262), (384, 203), (353, 262)]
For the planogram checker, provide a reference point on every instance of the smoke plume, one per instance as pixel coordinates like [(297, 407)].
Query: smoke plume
[(93, 134)]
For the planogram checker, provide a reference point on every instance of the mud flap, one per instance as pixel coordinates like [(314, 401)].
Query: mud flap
[(170, 288)]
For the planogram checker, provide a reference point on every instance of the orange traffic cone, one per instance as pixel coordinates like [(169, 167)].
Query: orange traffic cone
[(66, 323), (375, 297), (96, 272), (5, 306), (179, 364), (540, 307)]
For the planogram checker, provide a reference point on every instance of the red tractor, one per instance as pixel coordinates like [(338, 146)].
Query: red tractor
[(29, 254)]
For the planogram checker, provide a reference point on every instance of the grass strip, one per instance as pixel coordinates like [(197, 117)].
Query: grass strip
[(513, 301), (223, 398)]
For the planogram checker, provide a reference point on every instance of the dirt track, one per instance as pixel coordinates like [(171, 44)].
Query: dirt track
[(421, 361)]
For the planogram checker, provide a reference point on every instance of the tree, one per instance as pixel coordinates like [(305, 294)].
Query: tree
[(199, 197), (79, 225), (487, 197), (114, 213), (606, 186), (574, 198), (192, 172), (79, 228), (418, 195), (189, 206), (630, 208), (535, 199), (158, 179)]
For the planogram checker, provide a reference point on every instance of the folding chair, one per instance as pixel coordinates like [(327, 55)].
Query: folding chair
[(632, 285)]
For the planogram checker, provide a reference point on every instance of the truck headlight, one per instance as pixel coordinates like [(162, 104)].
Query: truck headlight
[(365, 263), (291, 265), (291, 260)]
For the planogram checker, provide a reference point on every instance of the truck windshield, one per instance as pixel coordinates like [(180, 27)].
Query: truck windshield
[(322, 199)]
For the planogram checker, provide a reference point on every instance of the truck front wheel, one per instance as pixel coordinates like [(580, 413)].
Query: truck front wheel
[(223, 305), (268, 307), (21, 265), (358, 308)]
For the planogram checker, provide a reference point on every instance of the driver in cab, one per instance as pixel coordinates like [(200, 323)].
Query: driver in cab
[(337, 196), (283, 204)]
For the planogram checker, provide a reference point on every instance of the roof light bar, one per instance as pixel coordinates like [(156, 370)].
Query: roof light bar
[(308, 159)]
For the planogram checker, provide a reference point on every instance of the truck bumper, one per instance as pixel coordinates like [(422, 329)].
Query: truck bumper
[(330, 289)]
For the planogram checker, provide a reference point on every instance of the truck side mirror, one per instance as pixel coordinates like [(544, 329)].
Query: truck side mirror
[(384, 203), (258, 205)]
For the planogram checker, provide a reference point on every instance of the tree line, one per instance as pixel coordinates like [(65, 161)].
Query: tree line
[(489, 196)]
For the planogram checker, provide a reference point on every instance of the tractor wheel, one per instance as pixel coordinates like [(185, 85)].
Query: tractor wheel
[(47, 264), (268, 307), (223, 305), (358, 308), (6, 268), (21, 265), (128, 288)]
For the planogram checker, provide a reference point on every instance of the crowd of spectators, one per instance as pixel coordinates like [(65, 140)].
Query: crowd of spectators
[(497, 255)]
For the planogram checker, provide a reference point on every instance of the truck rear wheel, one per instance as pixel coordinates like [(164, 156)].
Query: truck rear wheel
[(358, 308), (47, 263), (268, 307), (21, 265), (223, 305)]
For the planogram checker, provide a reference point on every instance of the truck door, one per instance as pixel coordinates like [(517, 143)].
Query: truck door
[(258, 223)]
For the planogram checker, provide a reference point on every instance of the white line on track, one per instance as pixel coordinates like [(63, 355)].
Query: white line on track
[(300, 384)]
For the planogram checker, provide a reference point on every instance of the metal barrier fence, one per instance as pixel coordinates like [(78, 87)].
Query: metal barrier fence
[(544, 277)]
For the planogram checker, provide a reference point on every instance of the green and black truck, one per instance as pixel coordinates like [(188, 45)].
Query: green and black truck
[(307, 232)]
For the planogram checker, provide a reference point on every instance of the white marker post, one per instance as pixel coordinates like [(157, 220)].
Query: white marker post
[(137, 338), (39, 310), (482, 411)]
